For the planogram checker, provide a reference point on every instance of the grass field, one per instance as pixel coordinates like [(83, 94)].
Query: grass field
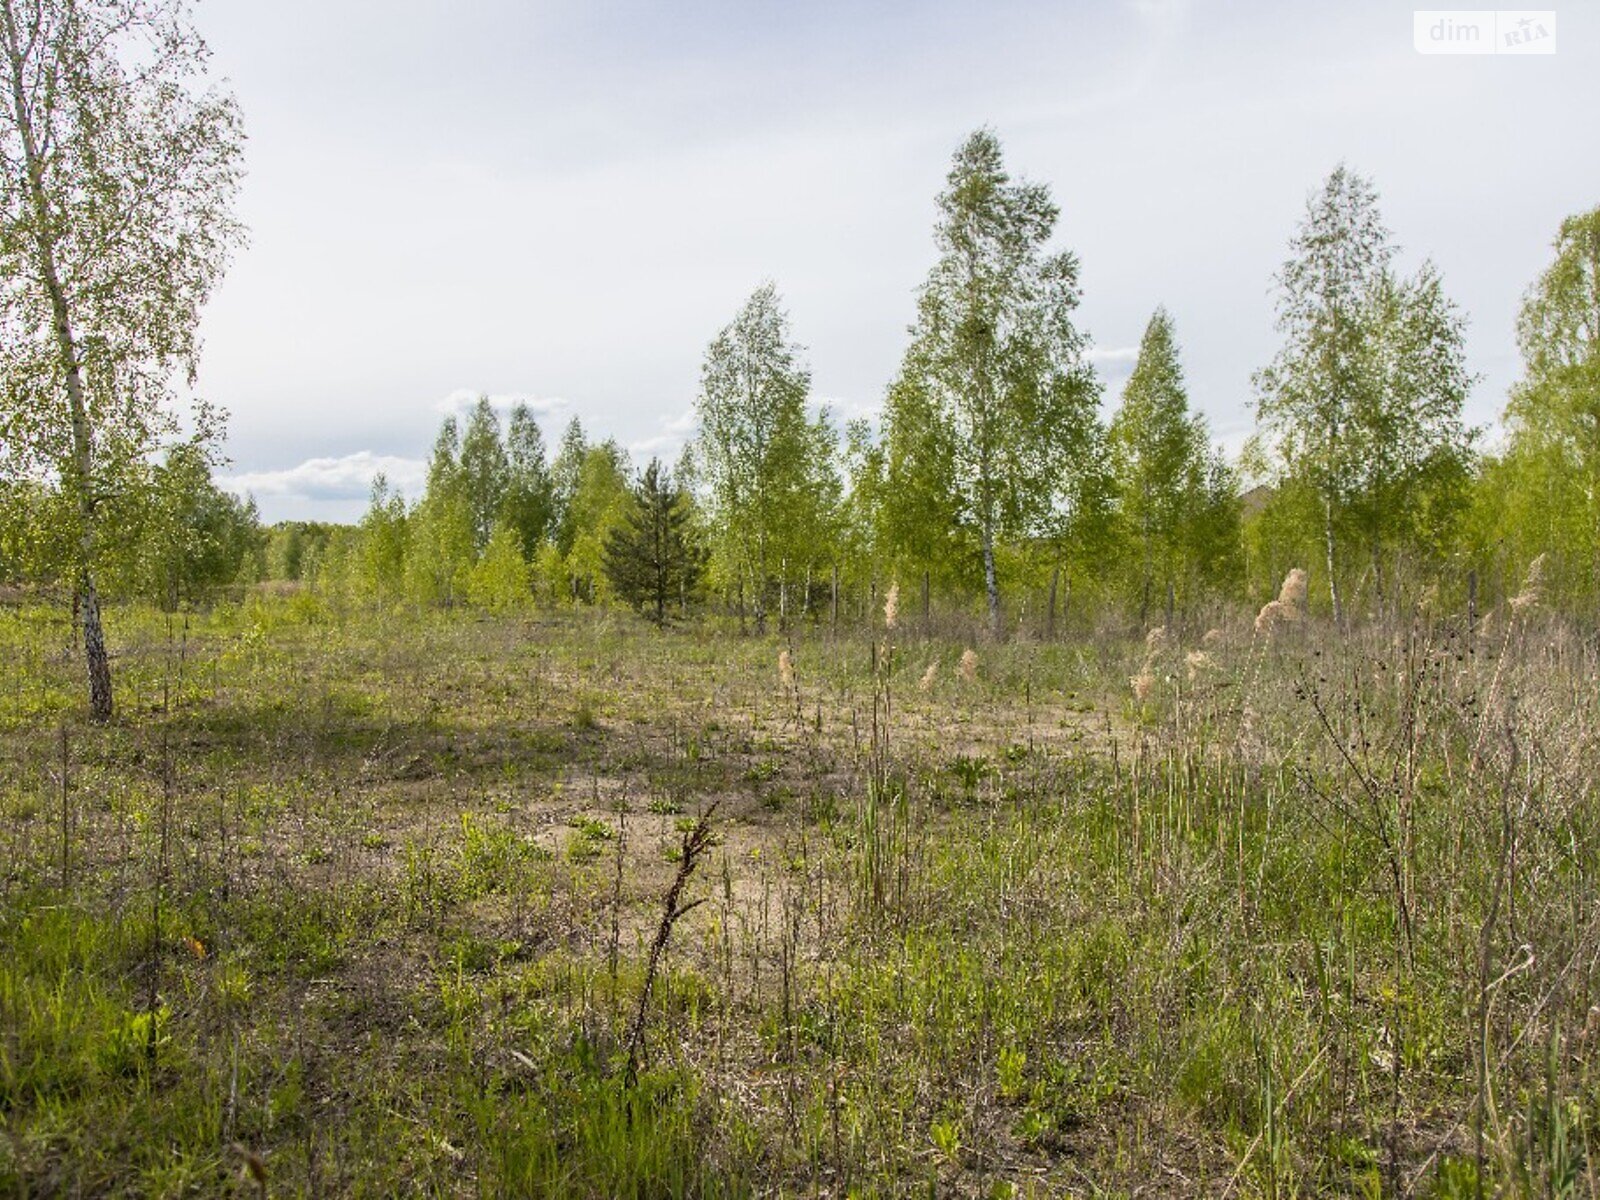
[(399, 905)]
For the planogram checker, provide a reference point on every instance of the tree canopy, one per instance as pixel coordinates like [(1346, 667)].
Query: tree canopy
[(119, 162), (1362, 404), (995, 407)]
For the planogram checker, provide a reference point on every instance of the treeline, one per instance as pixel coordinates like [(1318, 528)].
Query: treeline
[(992, 472), (178, 537), (992, 482)]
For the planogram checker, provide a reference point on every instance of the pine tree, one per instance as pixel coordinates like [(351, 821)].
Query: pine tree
[(651, 559)]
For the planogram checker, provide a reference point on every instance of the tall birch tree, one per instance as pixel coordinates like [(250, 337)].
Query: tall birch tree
[(1175, 494), (1551, 470), (1362, 404), (996, 360), (119, 163), (760, 460)]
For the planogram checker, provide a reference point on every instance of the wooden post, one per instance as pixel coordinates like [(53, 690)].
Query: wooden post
[(1472, 605), (836, 597)]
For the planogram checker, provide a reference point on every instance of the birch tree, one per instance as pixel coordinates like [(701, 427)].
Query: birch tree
[(1553, 459), (919, 521), (564, 475), (439, 531), (762, 463), (1362, 405), (528, 502), (997, 360), (485, 471), (1174, 492), (600, 504), (119, 163)]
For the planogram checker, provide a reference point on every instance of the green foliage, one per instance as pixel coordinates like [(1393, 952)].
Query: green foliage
[(440, 534), (383, 542), (565, 473), (482, 472), (1176, 496), (501, 580), (180, 536), (1542, 496), (995, 406), (769, 479), (651, 559), (599, 506), (528, 503), (292, 546), (1363, 402), (482, 522), (910, 497)]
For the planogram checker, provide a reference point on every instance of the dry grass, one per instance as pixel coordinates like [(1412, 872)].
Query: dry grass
[(1309, 915)]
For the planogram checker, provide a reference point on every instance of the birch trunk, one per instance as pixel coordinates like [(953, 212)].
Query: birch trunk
[(81, 467)]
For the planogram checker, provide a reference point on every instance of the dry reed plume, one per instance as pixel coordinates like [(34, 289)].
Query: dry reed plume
[(1290, 606), (1155, 644), (1532, 587)]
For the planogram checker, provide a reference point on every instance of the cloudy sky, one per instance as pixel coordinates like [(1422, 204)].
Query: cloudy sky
[(563, 202)]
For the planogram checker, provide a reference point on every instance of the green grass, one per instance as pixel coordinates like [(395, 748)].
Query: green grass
[(372, 902)]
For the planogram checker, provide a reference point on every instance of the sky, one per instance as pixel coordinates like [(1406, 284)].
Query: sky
[(562, 203)]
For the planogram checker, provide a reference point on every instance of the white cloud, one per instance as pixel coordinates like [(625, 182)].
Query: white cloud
[(684, 423), (665, 446), (320, 480), (461, 402), (844, 409), (1104, 356), (669, 442)]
